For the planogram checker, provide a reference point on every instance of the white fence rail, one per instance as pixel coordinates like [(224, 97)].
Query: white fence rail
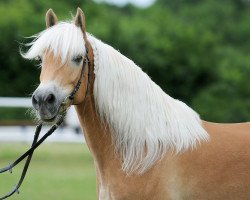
[(66, 134), (15, 102)]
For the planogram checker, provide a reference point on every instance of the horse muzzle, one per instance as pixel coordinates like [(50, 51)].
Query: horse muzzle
[(46, 104), (47, 100)]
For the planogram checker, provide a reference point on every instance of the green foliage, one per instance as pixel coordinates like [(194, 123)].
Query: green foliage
[(14, 114), (197, 51)]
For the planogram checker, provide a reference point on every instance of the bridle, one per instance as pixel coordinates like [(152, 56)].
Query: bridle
[(68, 101)]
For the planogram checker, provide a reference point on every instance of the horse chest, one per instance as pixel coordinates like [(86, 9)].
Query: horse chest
[(104, 193)]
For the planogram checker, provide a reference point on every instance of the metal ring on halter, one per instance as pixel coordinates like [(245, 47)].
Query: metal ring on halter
[(36, 143)]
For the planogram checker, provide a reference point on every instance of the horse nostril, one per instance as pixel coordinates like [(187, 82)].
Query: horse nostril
[(35, 101), (50, 99)]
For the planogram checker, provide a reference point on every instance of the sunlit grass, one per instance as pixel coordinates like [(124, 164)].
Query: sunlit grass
[(57, 171)]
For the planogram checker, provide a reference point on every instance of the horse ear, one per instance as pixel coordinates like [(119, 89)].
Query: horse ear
[(80, 20), (51, 18)]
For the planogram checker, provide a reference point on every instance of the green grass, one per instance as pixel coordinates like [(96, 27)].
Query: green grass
[(57, 171)]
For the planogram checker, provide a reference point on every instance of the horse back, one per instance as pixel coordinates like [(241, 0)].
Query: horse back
[(217, 169)]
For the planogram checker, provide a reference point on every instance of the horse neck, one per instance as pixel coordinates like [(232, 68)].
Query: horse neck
[(97, 135), (108, 164), (96, 132)]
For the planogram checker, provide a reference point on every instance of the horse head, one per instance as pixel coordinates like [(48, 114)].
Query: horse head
[(61, 50)]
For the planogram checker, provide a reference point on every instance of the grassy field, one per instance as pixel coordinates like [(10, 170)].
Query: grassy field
[(57, 171)]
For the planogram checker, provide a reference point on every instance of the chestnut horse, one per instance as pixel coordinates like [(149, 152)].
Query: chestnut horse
[(145, 144)]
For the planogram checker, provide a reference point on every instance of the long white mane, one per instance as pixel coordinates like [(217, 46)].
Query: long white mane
[(145, 121)]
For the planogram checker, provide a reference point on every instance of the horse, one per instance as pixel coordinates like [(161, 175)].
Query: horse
[(145, 144)]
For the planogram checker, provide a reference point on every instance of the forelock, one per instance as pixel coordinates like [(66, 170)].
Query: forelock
[(65, 40)]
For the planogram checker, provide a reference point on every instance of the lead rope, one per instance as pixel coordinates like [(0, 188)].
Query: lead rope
[(36, 143), (26, 166)]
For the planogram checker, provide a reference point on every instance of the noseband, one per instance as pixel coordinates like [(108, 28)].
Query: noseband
[(68, 101)]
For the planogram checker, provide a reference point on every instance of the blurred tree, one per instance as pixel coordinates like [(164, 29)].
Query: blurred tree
[(196, 51)]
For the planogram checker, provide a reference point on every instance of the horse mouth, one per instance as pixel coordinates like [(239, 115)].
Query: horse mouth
[(50, 120), (52, 117), (49, 117)]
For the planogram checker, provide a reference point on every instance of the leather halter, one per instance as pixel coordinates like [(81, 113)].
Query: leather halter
[(36, 143), (69, 99), (77, 86)]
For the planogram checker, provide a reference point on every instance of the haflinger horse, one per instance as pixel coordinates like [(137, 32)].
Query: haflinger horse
[(145, 144)]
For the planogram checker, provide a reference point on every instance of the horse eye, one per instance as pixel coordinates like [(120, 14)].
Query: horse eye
[(77, 59), (38, 58)]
